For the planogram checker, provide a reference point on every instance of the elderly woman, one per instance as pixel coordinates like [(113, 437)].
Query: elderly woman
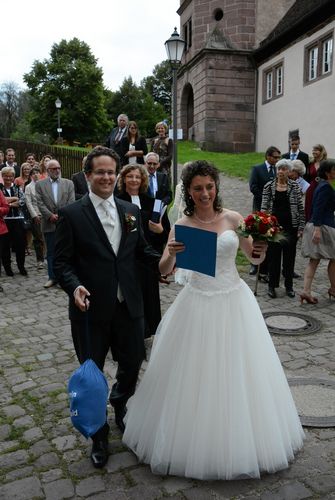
[(282, 197), (297, 174), (15, 223), (133, 186), (133, 147), (318, 240), (163, 146)]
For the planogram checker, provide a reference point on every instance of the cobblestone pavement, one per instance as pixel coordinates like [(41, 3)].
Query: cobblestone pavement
[(42, 456)]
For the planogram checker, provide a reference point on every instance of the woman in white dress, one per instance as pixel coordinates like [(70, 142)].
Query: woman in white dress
[(214, 402)]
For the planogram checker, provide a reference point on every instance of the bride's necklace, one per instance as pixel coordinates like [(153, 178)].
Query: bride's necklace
[(206, 221)]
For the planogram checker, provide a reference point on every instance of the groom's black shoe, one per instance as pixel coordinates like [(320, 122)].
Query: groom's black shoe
[(99, 453), (120, 412)]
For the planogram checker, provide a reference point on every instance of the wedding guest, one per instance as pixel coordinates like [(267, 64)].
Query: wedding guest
[(15, 223), (214, 402), (133, 146), (80, 182), (43, 166), (2, 159), (10, 161), (163, 146), (282, 197), (312, 176), (35, 215), (260, 175), (113, 141), (4, 209), (318, 241), (24, 175), (159, 184), (295, 153), (297, 174), (132, 187), (52, 194)]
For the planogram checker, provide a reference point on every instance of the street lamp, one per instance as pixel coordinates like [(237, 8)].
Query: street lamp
[(174, 49), (58, 104)]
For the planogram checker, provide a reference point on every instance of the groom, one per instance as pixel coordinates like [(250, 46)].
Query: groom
[(98, 240)]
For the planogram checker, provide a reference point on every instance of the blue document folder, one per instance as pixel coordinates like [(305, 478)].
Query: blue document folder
[(200, 249)]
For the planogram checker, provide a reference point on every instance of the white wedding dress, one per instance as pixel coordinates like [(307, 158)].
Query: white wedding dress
[(214, 402)]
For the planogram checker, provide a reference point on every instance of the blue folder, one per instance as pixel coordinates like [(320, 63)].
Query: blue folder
[(200, 249)]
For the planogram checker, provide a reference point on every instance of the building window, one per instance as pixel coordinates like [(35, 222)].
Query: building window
[(319, 58), (188, 34), (273, 82), (327, 56)]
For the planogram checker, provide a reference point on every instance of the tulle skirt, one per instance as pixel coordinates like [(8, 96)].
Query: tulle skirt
[(323, 250), (214, 402)]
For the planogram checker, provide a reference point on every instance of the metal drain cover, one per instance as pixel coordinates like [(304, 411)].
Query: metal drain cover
[(289, 323), (315, 401)]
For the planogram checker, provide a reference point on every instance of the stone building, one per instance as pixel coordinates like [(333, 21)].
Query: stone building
[(222, 81)]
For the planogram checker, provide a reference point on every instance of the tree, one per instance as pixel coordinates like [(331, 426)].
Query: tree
[(138, 104), (9, 108), (159, 85), (72, 75)]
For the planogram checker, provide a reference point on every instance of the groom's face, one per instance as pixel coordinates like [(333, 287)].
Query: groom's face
[(103, 176)]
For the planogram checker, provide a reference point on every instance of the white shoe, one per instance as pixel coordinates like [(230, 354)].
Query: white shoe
[(50, 283), (40, 265)]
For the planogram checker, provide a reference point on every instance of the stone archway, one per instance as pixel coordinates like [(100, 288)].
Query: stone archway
[(187, 112)]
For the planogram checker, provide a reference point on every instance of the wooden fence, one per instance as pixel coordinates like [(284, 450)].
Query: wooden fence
[(69, 158)]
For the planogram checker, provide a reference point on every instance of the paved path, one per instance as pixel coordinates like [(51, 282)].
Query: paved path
[(41, 456)]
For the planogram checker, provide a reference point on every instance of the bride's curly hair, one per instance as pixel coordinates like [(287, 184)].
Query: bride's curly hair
[(203, 168)]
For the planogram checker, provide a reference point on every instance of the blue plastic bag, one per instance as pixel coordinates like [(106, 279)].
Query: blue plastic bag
[(88, 391)]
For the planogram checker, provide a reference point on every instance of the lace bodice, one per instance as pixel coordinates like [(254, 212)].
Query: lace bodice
[(226, 276)]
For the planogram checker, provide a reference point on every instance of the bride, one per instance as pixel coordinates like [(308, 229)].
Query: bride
[(214, 402)]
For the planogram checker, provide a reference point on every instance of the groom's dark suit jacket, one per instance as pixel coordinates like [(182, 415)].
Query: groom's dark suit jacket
[(84, 256)]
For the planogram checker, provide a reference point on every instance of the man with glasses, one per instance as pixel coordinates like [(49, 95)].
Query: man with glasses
[(159, 184), (52, 194), (260, 175), (99, 245)]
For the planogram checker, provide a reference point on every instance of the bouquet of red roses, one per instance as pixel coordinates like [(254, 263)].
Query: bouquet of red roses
[(261, 226)]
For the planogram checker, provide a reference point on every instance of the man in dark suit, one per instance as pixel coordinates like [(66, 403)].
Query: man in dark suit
[(295, 153), (10, 161), (99, 238), (159, 184), (260, 175), (80, 182), (113, 141)]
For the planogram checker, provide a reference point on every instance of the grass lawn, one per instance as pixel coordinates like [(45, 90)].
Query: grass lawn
[(233, 164)]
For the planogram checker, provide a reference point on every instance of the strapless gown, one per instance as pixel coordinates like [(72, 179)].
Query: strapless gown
[(214, 402)]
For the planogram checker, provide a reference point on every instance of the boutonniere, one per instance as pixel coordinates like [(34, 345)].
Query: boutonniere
[(130, 222)]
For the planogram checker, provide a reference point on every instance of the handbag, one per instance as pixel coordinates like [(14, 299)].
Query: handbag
[(88, 391)]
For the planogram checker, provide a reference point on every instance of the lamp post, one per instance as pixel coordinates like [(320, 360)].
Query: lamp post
[(174, 49), (58, 104)]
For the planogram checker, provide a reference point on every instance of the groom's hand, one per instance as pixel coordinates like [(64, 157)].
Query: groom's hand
[(81, 295)]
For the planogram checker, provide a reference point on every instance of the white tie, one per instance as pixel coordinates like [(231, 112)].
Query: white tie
[(109, 225), (107, 220)]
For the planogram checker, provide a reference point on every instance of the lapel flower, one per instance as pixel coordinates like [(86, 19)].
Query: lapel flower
[(130, 222)]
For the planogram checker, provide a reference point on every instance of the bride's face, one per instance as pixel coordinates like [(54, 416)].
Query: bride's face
[(203, 191)]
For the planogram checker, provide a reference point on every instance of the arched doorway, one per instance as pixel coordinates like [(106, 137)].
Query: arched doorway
[(187, 112)]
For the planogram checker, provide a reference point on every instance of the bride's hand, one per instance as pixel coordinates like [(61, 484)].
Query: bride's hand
[(259, 248), (175, 247)]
